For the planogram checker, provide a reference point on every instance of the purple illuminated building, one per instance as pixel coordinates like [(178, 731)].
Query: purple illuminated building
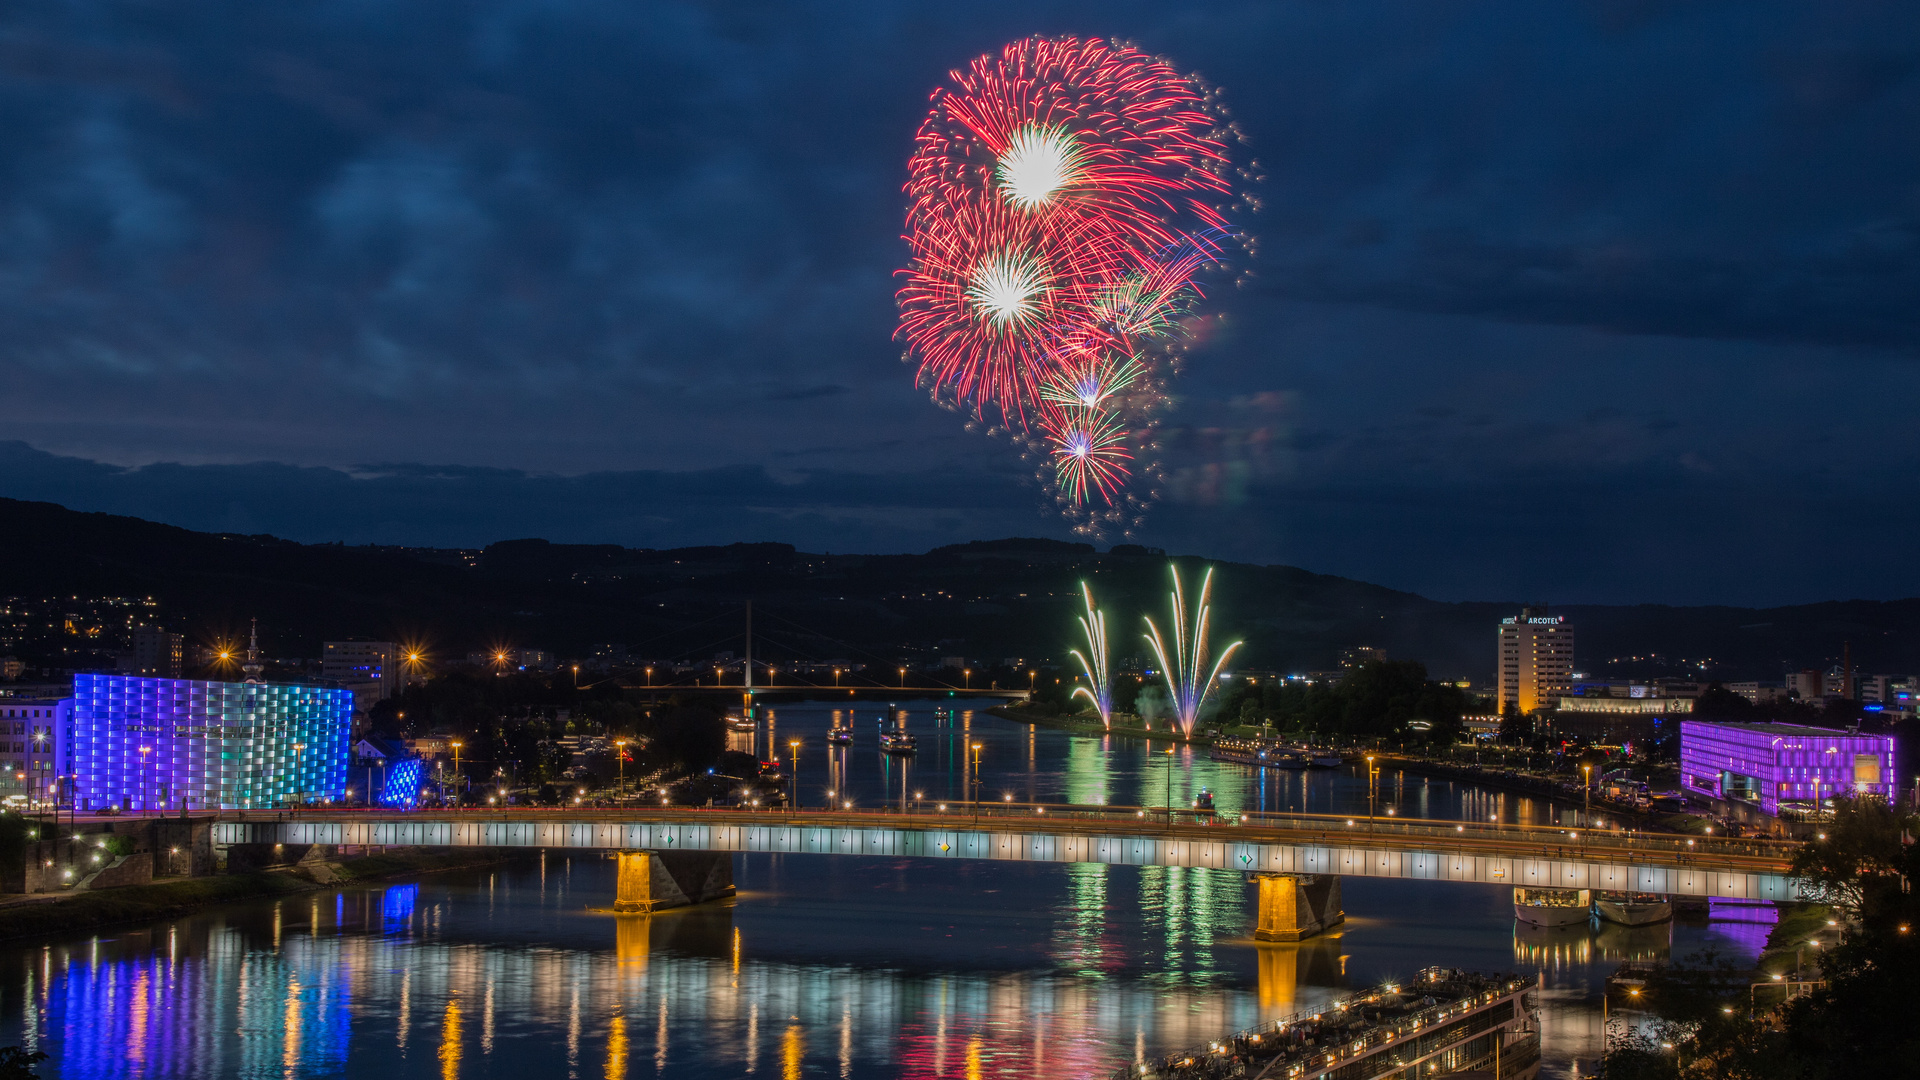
[(1782, 766), (164, 744)]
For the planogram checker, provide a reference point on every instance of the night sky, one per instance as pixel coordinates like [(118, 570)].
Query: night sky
[(1605, 302)]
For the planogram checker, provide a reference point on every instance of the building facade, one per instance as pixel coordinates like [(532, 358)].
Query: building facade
[(371, 669), (1783, 766), (156, 653), (32, 743), (1536, 661), (162, 744)]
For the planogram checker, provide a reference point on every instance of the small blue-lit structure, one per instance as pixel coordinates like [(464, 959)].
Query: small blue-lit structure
[(403, 784)]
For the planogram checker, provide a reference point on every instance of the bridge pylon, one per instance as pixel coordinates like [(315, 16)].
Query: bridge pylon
[(651, 880), (1294, 907)]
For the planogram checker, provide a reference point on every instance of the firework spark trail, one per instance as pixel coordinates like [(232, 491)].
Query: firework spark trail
[(1094, 661), (1089, 452), (1063, 195), (1182, 668)]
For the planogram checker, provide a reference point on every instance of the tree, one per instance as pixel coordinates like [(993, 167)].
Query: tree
[(1516, 728), (17, 1064), (1861, 851), (1719, 703)]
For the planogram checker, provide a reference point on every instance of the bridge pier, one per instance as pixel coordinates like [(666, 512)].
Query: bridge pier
[(652, 880), (1293, 907)]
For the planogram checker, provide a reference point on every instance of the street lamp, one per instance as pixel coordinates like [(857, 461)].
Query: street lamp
[(146, 784), (39, 784), (301, 795), (456, 768), (903, 678), (620, 762), (836, 678), (976, 781), (649, 678), (793, 750), (1586, 772), (1372, 790), (967, 675)]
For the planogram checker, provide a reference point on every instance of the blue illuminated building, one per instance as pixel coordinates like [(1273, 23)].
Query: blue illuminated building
[(404, 778), (162, 744)]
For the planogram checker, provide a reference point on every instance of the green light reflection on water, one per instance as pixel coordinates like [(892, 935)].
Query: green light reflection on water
[(1081, 944)]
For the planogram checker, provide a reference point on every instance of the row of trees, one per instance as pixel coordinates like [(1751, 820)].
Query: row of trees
[(1387, 700)]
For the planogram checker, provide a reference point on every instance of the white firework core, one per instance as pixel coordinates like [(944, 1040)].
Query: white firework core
[(1039, 161), (1007, 287)]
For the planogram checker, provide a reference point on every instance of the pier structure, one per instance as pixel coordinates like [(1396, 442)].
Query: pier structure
[(1294, 907), (648, 881)]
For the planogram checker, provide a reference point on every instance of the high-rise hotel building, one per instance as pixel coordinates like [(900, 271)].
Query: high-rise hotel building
[(1536, 660)]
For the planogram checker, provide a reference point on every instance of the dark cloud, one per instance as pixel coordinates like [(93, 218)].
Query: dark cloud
[(1654, 252)]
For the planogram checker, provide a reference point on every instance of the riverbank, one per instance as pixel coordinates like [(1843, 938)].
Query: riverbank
[(1077, 725), (63, 913)]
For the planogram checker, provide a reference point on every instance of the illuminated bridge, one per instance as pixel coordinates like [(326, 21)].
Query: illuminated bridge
[(1296, 848)]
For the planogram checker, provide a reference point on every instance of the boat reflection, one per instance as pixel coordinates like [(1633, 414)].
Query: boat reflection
[(1552, 948)]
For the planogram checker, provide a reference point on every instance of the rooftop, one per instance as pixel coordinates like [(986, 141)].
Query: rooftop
[(1803, 731)]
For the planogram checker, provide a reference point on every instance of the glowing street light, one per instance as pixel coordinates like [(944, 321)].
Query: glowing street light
[(1373, 790), (793, 759), (976, 781), (456, 744)]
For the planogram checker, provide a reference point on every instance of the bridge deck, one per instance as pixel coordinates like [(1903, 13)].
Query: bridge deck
[(1434, 851)]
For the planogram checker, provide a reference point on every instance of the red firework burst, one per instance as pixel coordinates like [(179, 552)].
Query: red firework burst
[(993, 297), (1062, 196), (1063, 125)]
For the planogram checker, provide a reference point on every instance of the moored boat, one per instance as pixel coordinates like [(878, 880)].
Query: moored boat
[(1633, 909), (897, 742), (839, 736), (1553, 907), (1259, 755)]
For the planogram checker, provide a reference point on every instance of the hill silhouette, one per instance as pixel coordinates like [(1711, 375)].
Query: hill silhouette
[(987, 601)]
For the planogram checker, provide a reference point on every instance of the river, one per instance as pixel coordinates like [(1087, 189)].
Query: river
[(826, 966)]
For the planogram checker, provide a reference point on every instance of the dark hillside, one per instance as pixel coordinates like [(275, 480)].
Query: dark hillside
[(986, 601)]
